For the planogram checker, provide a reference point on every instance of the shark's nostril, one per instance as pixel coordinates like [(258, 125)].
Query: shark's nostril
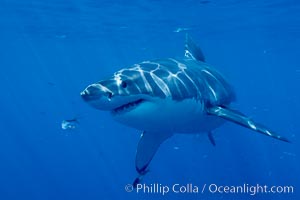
[(84, 97)]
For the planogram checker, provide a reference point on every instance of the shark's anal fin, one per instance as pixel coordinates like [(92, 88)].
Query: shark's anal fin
[(241, 119), (147, 147), (211, 138), (192, 50)]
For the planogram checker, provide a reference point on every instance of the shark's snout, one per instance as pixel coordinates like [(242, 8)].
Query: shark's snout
[(98, 96), (92, 92), (85, 95)]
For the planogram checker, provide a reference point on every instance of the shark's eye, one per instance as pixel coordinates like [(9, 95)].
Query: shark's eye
[(124, 84)]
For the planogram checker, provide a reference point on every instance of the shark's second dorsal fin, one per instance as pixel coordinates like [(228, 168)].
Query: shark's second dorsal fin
[(241, 119), (192, 50)]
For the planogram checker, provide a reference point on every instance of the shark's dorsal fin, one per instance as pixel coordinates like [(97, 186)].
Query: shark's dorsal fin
[(147, 147), (241, 119), (192, 50)]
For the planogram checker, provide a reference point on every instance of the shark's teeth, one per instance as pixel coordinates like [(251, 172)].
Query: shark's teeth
[(127, 107)]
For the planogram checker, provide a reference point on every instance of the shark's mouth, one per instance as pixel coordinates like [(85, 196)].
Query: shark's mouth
[(127, 107)]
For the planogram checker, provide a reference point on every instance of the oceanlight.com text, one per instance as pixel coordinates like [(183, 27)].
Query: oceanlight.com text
[(249, 189)]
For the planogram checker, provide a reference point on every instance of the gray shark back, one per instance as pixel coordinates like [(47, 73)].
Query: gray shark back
[(180, 79)]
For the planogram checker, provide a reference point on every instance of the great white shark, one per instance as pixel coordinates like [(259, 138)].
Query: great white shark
[(167, 96)]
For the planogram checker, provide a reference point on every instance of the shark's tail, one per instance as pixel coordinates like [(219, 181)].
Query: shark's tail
[(241, 119)]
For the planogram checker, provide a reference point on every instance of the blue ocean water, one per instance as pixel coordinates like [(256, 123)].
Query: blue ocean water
[(51, 50)]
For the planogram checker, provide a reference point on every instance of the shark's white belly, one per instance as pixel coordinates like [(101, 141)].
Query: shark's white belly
[(187, 116)]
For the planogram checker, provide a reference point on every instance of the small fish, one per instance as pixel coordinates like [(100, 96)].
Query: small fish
[(69, 124)]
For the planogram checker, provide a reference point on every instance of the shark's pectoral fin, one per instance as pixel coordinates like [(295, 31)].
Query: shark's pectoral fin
[(211, 138), (147, 147), (241, 119)]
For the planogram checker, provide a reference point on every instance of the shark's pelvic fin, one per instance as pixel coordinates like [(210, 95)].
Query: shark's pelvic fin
[(147, 147), (192, 50), (211, 138), (241, 119)]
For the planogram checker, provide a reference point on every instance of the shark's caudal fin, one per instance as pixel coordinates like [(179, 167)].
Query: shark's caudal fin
[(241, 119), (192, 50)]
